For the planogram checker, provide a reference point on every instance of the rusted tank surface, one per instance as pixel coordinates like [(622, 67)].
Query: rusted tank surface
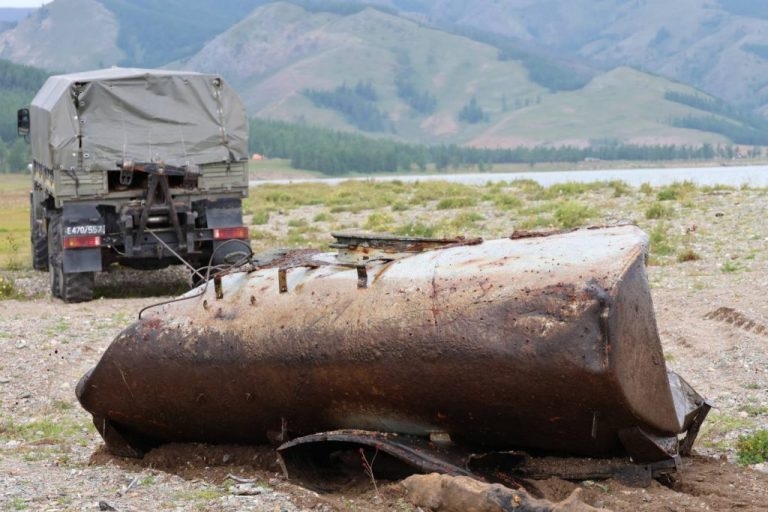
[(544, 343)]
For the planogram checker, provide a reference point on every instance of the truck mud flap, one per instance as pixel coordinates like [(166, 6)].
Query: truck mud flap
[(82, 219)]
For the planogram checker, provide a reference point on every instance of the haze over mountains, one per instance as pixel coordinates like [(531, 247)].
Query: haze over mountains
[(485, 73)]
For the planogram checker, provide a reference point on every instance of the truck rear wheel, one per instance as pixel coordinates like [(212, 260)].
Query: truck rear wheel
[(76, 287), (39, 238)]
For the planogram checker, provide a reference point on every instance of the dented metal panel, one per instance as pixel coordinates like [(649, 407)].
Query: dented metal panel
[(546, 343)]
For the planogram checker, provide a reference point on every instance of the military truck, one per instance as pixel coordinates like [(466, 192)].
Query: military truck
[(144, 168)]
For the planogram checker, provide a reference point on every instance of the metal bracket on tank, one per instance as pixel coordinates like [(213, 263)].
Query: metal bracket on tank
[(357, 248)]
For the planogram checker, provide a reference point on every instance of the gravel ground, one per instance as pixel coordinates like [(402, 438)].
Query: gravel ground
[(712, 317)]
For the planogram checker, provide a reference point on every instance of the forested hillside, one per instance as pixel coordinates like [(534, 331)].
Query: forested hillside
[(154, 33), (18, 85), (372, 71), (339, 153), (718, 46)]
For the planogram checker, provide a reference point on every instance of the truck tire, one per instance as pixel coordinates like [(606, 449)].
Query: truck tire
[(39, 239), (76, 287)]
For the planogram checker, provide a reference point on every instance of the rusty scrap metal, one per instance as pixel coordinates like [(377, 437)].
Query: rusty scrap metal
[(541, 343), (326, 461), (362, 247)]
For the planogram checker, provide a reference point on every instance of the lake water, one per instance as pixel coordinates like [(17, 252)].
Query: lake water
[(754, 176)]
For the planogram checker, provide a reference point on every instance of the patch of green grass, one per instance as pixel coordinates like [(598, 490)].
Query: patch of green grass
[(120, 318), (718, 425), (569, 189), (661, 245), (7, 288), (666, 194), (466, 221), (418, 229), (730, 266), (379, 222), (13, 260), (356, 196), (46, 439), (423, 192), (287, 197), (453, 203), (65, 501), (620, 188), (202, 495), (571, 214), (710, 189), (260, 234), (505, 201), (755, 410), (61, 326), (19, 503), (260, 217), (658, 211), (32, 431), (62, 405), (298, 223), (753, 448), (304, 236), (676, 191), (527, 187), (539, 208), (324, 217), (536, 221)]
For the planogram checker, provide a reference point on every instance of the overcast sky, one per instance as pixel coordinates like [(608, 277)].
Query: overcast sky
[(22, 3)]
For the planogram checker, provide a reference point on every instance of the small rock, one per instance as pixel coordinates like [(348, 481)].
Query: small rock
[(248, 489)]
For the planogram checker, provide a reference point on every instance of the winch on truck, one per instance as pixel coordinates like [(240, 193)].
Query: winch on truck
[(145, 168)]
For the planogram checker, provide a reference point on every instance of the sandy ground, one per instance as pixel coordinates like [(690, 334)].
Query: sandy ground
[(713, 325)]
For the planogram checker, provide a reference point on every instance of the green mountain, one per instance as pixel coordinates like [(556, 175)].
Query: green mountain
[(282, 55), (488, 73), (64, 35), (719, 46)]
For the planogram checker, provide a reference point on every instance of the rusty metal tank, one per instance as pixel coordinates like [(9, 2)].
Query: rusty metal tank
[(545, 343)]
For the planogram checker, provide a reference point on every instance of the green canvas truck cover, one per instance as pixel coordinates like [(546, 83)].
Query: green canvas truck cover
[(92, 120)]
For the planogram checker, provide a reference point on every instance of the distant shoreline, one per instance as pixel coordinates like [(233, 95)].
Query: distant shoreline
[(663, 173)]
